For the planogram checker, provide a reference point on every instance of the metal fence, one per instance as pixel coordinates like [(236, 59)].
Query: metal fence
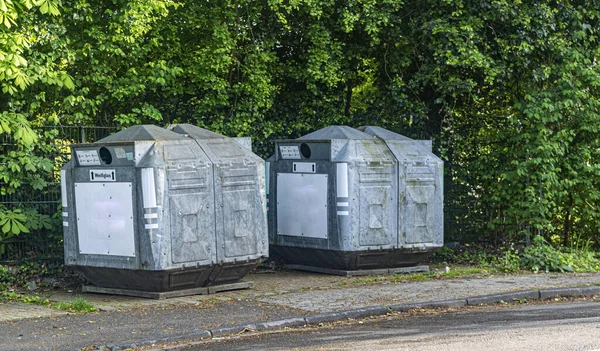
[(44, 244)]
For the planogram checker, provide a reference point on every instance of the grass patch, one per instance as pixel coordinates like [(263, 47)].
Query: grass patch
[(369, 280), (76, 305), (459, 272), (453, 273), (14, 297)]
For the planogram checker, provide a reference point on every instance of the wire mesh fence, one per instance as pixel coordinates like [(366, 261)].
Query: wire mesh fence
[(43, 244)]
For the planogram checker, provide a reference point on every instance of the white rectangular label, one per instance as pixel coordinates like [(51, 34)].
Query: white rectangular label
[(88, 157), (289, 152), (103, 175), (304, 167)]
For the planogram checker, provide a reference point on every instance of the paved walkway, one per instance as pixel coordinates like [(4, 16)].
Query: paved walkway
[(275, 296)]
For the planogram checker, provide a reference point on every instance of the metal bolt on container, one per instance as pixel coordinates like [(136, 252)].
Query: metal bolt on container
[(148, 209), (345, 199)]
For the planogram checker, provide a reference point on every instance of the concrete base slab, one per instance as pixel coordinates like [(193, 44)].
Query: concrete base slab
[(360, 272), (167, 294)]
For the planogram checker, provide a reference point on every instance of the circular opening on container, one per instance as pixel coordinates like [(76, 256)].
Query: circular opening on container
[(305, 150), (105, 155)]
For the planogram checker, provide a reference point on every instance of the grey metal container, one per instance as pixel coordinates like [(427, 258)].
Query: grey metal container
[(153, 210), (344, 199)]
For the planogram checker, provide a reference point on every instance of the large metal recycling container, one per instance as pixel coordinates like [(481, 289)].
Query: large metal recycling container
[(340, 198), (142, 210)]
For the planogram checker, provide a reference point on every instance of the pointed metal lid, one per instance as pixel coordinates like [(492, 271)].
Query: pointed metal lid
[(142, 132), (336, 132), (383, 133), (194, 132)]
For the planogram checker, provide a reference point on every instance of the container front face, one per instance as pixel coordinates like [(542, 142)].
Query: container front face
[(302, 200), (241, 216), (376, 205), (421, 204), (240, 198), (420, 195), (102, 213), (191, 215), (362, 199), (190, 206)]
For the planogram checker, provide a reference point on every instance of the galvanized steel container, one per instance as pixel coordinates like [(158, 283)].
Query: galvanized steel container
[(340, 198), (153, 210)]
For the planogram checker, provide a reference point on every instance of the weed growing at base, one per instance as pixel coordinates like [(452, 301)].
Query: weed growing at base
[(76, 305), (453, 273)]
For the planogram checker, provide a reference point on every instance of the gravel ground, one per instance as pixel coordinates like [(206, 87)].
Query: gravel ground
[(335, 297)]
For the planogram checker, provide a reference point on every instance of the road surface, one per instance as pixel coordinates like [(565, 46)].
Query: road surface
[(556, 327)]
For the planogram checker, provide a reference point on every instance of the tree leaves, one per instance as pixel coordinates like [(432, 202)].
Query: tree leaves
[(47, 6), (12, 223), (508, 90)]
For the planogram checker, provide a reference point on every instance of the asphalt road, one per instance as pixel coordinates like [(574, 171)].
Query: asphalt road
[(556, 326)]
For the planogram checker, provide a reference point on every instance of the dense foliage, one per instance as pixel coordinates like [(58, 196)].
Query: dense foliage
[(508, 90)]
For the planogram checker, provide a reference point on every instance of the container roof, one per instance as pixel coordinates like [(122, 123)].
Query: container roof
[(383, 133), (142, 132), (336, 132), (195, 132)]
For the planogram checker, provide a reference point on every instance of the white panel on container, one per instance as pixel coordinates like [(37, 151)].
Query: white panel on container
[(302, 205), (105, 218)]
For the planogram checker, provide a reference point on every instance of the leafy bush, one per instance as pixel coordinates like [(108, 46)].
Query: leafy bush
[(17, 221), (510, 261), (17, 276), (542, 256)]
